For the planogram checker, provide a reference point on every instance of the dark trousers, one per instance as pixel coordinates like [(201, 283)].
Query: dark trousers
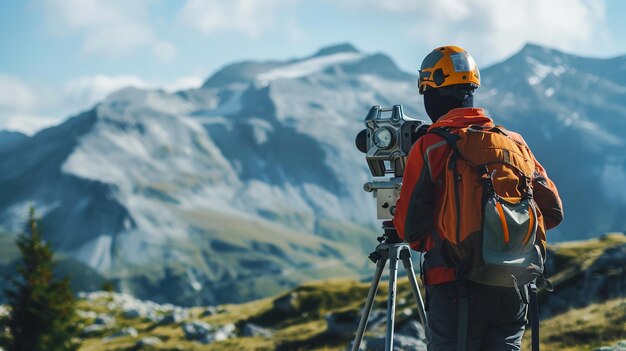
[(496, 318)]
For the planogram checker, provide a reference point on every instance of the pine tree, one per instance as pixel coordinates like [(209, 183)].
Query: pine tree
[(41, 307)]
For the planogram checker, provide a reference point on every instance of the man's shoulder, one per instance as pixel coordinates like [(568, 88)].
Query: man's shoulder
[(428, 143), (430, 139)]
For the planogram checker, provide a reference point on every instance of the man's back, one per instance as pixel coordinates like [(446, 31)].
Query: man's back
[(464, 314), (496, 315)]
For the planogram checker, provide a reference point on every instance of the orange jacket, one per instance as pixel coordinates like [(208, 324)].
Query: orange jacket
[(422, 189)]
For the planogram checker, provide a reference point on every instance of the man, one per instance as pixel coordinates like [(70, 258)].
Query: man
[(496, 316)]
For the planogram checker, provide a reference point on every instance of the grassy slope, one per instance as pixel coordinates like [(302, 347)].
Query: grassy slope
[(585, 328), (239, 259), (578, 329), (300, 330), (573, 257)]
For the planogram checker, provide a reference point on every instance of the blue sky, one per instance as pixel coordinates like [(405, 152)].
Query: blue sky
[(60, 56)]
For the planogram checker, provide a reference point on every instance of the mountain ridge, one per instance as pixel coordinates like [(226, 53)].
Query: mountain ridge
[(137, 186)]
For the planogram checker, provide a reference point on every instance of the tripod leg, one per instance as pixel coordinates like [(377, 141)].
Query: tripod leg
[(408, 266), (380, 266), (391, 299)]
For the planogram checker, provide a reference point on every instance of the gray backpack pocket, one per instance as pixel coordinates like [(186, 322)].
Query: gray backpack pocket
[(509, 253)]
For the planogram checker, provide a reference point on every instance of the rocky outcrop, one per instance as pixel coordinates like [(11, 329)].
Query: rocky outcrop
[(287, 304), (604, 279), (251, 329), (132, 308), (620, 346), (147, 342), (206, 334)]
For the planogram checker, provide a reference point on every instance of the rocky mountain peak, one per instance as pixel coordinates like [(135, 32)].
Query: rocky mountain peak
[(335, 49)]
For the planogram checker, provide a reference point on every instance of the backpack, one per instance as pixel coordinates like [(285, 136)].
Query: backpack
[(492, 228)]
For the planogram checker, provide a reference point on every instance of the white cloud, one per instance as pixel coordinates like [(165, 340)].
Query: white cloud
[(28, 107), (164, 51), (88, 90), (113, 28), (29, 124), (189, 82), (493, 29), (251, 17), (18, 106), (15, 95)]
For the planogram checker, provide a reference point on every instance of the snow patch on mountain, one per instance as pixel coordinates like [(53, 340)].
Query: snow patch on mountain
[(308, 67), (541, 71), (96, 253), (261, 130)]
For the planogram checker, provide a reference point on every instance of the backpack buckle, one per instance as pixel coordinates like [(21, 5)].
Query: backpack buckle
[(486, 179)]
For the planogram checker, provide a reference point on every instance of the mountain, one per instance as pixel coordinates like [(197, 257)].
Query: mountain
[(224, 193), (572, 111), (9, 139), (251, 184)]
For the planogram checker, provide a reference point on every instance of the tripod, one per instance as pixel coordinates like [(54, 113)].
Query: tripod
[(393, 250)]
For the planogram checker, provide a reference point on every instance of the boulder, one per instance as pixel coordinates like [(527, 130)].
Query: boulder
[(196, 330), (93, 329), (220, 334), (174, 317), (132, 313), (104, 319), (210, 311), (346, 323), (405, 313), (377, 320), (84, 314), (414, 329), (605, 279), (620, 346), (251, 329), (342, 323), (148, 341), (129, 331), (287, 304)]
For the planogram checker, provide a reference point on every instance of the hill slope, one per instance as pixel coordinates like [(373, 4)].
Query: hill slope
[(324, 315)]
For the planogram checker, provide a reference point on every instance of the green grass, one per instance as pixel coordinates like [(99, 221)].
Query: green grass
[(573, 258), (583, 329), (304, 328), (247, 259)]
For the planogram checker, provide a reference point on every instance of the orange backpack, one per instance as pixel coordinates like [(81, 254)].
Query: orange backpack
[(490, 223)]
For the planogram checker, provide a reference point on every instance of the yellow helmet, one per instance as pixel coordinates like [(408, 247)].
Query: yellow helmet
[(448, 65)]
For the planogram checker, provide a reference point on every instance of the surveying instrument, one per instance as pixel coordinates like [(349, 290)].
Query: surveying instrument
[(386, 143)]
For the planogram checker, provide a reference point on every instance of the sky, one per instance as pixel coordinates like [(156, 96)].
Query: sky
[(58, 57)]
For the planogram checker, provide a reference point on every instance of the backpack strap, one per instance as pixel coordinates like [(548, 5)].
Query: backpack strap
[(486, 179), (501, 130), (534, 315), (448, 136)]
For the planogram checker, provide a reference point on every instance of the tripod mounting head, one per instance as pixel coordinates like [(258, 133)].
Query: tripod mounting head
[(386, 142)]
